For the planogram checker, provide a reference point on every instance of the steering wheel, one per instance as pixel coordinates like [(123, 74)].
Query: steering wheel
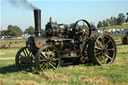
[(81, 32)]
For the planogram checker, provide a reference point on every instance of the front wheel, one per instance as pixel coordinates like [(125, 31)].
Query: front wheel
[(24, 59), (47, 57)]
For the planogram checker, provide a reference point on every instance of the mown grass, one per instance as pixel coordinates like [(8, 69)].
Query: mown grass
[(11, 52), (4, 53), (14, 42), (83, 74)]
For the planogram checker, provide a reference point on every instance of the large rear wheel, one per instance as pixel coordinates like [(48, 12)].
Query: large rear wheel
[(102, 50)]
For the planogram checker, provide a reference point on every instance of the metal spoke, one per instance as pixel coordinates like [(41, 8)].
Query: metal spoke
[(52, 65), (108, 57), (48, 52), (106, 44), (112, 49), (42, 66), (102, 38), (42, 57), (99, 43), (98, 48), (55, 59), (98, 53), (99, 58), (44, 54), (29, 54), (26, 51), (21, 55)]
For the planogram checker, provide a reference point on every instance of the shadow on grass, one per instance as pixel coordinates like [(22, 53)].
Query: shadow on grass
[(12, 68), (88, 63), (8, 69)]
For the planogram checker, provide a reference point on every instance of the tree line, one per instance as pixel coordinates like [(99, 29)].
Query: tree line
[(119, 20), (15, 31)]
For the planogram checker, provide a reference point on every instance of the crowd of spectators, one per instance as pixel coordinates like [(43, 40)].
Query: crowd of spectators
[(113, 31)]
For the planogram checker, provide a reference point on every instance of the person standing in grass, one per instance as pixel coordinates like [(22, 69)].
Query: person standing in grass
[(93, 28), (94, 31)]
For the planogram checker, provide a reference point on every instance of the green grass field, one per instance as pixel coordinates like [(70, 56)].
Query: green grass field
[(14, 42), (83, 74), (115, 27)]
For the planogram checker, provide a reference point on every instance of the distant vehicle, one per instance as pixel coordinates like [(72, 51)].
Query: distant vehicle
[(2, 37), (125, 37)]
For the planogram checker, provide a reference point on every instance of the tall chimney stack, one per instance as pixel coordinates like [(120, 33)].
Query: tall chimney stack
[(37, 19)]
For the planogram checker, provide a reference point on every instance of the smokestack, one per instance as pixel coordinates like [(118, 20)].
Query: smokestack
[(37, 17)]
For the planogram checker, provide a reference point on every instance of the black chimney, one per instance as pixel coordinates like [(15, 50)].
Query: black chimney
[(37, 17)]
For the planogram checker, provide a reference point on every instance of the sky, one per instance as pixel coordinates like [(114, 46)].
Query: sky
[(62, 11)]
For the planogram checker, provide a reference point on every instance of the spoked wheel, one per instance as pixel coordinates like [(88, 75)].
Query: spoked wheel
[(102, 50), (24, 59), (47, 57), (81, 32)]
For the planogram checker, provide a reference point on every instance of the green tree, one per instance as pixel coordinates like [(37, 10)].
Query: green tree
[(112, 21), (100, 24), (107, 22), (30, 30), (127, 17), (14, 31), (4, 33), (115, 21), (104, 23), (121, 19)]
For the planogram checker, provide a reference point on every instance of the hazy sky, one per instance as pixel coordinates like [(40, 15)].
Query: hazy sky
[(63, 11)]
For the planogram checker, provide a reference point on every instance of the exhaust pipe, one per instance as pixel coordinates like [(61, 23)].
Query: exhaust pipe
[(37, 19)]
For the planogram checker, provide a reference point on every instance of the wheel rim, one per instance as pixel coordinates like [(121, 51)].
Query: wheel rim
[(48, 58), (24, 52), (87, 30), (105, 49)]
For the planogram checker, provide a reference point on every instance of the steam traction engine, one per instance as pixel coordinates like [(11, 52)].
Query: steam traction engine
[(59, 45)]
